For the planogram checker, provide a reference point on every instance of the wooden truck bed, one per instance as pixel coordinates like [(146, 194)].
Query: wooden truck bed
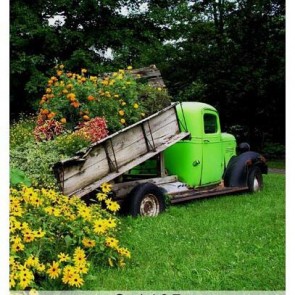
[(116, 154)]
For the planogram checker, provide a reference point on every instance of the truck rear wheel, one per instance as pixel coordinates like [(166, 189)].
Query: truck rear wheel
[(146, 200), (255, 180)]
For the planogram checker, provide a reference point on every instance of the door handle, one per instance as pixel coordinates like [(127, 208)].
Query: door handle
[(206, 140), (196, 163)]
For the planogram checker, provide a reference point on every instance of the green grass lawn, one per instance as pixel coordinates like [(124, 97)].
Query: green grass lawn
[(234, 242)]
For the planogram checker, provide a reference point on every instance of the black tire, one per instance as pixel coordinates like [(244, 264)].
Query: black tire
[(146, 200), (255, 180)]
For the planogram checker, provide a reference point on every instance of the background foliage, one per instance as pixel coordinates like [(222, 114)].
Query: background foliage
[(230, 54)]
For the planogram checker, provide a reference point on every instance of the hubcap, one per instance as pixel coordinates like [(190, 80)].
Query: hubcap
[(256, 185), (149, 205)]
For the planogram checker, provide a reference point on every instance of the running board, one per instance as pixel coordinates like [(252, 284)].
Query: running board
[(194, 194)]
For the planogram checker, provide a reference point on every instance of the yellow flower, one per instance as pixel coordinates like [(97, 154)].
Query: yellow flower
[(79, 256), (88, 243), (68, 272), (24, 282), (112, 242), (101, 196), (99, 226), (71, 97), (82, 269), (76, 280), (113, 206), (41, 267), (121, 113), (63, 257), (84, 212), (39, 233), (111, 223), (36, 201), (12, 282), (124, 252), (129, 68), (54, 270), (29, 237), (136, 105), (32, 261), (106, 187)]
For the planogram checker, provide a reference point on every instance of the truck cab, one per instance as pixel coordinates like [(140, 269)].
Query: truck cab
[(201, 159)]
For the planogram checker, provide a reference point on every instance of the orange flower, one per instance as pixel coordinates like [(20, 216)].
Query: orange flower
[(51, 115), (44, 112), (63, 120), (86, 118), (90, 98), (75, 104), (48, 90)]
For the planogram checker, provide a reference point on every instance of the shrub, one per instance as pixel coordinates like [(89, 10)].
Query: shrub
[(21, 131), (274, 150), (72, 98), (36, 159), (56, 240)]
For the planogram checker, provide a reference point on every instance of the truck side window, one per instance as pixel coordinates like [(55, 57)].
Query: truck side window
[(210, 123)]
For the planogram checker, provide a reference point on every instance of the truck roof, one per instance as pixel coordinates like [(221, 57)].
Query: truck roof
[(196, 106)]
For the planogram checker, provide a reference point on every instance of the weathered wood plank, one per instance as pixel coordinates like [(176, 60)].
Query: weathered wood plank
[(87, 189)]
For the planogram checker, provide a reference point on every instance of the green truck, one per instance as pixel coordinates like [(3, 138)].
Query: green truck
[(178, 153)]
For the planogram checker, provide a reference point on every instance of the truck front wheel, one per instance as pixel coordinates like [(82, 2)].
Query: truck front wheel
[(255, 180), (146, 200)]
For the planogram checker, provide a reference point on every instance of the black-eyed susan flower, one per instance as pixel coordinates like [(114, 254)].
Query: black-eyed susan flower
[(111, 242), (76, 280), (113, 206), (53, 270), (100, 226), (88, 243), (106, 187), (63, 257)]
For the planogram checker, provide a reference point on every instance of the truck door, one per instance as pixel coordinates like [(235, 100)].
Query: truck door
[(212, 161)]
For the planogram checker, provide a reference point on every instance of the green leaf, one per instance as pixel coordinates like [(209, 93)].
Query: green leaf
[(17, 176)]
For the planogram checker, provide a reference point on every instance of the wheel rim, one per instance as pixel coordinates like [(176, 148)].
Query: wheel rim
[(149, 205), (256, 185)]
